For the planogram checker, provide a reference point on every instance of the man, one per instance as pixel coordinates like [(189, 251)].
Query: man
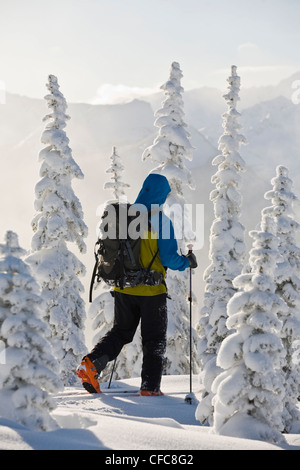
[(144, 303)]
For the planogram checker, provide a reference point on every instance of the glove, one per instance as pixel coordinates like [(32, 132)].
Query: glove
[(192, 260)]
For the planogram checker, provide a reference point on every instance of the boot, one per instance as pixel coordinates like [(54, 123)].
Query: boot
[(87, 372), (150, 393)]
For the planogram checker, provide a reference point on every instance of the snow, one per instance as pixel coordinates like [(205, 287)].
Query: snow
[(119, 422)]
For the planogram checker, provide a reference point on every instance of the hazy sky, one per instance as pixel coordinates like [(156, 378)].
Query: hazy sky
[(103, 49)]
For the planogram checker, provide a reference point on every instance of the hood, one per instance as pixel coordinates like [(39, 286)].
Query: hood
[(155, 190)]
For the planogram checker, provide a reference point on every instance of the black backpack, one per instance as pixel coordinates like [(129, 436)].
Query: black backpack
[(117, 251)]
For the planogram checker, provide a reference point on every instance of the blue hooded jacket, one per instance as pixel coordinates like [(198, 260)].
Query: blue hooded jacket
[(155, 191)]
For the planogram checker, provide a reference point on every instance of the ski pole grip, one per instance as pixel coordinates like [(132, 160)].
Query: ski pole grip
[(192, 257)]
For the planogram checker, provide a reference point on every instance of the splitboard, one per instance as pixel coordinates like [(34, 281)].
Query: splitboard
[(108, 391)]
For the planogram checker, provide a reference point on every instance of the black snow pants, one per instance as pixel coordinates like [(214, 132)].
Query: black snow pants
[(129, 311)]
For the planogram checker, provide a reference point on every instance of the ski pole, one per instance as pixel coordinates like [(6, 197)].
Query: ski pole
[(190, 399), (191, 348), (112, 372)]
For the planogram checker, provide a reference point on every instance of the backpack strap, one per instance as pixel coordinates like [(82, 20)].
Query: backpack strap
[(130, 253), (152, 261), (96, 253)]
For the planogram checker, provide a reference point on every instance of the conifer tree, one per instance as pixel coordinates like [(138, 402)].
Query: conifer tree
[(29, 373), (227, 249), (288, 287), (249, 394), (172, 149), (59, 220), (116, 184)]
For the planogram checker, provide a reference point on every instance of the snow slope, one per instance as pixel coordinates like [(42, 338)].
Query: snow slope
[(120, 422)]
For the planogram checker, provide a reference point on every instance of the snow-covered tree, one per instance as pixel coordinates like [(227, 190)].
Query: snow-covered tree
[(227, 248), (59, 220), (249, 393), (172, 149), (116, 185), (101, 311), (29, 372), (288, 287)]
